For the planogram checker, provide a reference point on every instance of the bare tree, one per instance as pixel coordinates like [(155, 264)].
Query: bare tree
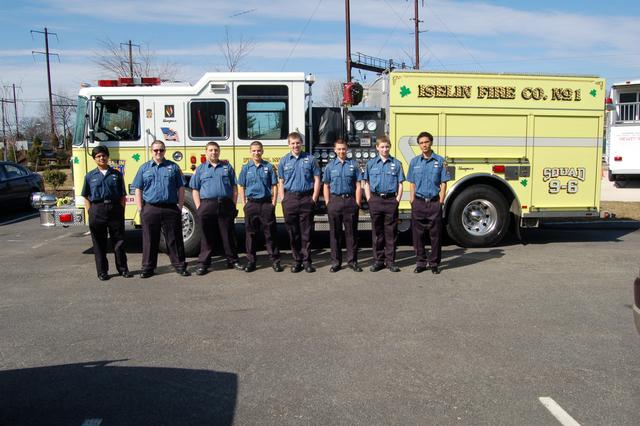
[(114, 59), (235, 52), (332, 93), (64, 114)]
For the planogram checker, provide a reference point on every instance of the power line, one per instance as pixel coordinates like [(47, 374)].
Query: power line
[(301, 33), (456, 38)]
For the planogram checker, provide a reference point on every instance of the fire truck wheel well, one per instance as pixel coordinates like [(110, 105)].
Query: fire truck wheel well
[(489, 180)]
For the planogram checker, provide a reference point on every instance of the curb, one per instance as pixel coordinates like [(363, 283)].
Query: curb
[(596, 224)]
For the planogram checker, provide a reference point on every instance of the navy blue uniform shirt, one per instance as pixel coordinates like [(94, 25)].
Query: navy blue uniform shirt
[(298, 173), (109, 186), (214, 181), (257, 181), (427, 175), (159, 182), (341, 176), (384, 176)]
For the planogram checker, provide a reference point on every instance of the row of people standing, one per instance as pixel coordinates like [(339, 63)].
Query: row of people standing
[(159, 196)]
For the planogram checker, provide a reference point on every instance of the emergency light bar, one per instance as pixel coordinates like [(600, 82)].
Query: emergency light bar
[(130, 81)]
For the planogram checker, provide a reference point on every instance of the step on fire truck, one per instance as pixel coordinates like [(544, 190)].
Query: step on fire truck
[(623, 131), (520, 148)]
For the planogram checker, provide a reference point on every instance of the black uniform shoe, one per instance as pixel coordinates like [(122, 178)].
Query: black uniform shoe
[(376, 267), (103, 276), (335, 268), (183, 272), (146, 274), (201, 270), (309, 268), (277, 267), (355, 267), (296, 268), (126, 274), (235, 265), (419, 269), (250, 267), (394, 268), (435, 270)]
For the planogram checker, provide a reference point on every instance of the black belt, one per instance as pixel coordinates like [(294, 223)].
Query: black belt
[(162, 204), (343, 195), (436, 198), (220, 200), (259, 200), (300, 194), (385, 194), (107, 201)]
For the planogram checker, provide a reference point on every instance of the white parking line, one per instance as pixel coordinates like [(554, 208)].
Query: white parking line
[(92, 422), (30, 216), (558, 412), (47, 241)]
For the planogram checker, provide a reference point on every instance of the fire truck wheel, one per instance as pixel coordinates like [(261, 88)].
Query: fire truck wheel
[(478, 217), (191, 231)]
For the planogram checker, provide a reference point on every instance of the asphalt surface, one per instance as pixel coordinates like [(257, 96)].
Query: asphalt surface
[(478, 344)]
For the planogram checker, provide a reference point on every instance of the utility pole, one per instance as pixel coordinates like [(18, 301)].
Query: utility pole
[(416, 19), (130, 45), (347, 19), (47, 54), (15, 107)]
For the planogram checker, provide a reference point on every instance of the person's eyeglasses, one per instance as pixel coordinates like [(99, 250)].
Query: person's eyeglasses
[(158, 150)]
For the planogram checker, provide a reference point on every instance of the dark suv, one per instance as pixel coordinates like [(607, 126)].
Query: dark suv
[(17, 183)]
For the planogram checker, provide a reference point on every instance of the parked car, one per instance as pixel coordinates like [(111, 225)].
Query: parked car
[(17, 183), (636, 301)]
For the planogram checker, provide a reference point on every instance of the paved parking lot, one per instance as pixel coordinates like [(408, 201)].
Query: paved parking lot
[(481, 343)]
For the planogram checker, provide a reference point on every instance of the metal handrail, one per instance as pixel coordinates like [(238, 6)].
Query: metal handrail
[(627, 112)]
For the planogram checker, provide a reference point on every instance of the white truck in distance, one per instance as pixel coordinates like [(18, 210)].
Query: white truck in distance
[(623, 131)]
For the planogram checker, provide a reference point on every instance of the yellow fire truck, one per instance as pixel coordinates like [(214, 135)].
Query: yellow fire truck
[(520, 148)]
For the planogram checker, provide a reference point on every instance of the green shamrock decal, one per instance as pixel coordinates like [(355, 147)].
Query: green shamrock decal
[(593, 93), (404, 91), (136, 156), (524, 182), (76, 160)]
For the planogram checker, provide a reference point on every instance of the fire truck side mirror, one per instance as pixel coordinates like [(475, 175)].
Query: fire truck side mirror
[(90, 116)]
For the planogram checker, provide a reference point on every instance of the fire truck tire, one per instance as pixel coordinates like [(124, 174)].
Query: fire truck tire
[(191, 231), (478, 217)]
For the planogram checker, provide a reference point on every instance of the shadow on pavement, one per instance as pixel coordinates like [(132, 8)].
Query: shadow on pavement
[(11, 216), (74, 393)]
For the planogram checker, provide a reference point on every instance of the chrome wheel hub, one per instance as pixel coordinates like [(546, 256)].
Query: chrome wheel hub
[(479, 217)]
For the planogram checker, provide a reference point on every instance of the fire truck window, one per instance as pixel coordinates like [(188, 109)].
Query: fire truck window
[(208, 119), (263, 112), (117, 120), (628, 108)]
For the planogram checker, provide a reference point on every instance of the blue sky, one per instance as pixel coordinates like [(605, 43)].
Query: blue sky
[(571, 37)]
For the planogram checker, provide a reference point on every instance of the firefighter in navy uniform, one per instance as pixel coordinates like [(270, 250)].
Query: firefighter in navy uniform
[(383, 178), (105, 196), (299, 177), (428, 179), (343, 197), (258, 191), (159, 186), (215, 195)]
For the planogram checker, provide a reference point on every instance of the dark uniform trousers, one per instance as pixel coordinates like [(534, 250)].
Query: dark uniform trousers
[(298, 219), (109, 218), (258, 213), (165, 218), (343, 211), (217, 213), (384, 226), (426, 217)]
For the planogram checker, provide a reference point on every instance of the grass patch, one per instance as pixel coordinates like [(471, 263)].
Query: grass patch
[(622, 210)]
